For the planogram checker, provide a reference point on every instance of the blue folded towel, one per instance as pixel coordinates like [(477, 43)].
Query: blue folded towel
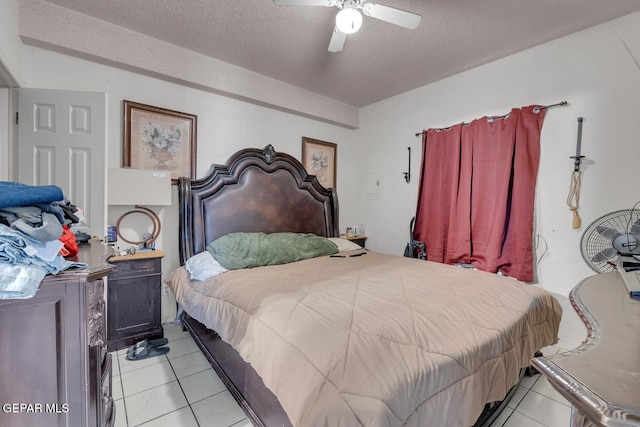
[(17, 194)]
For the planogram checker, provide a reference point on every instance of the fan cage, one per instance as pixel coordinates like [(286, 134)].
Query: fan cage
[(593, 242)]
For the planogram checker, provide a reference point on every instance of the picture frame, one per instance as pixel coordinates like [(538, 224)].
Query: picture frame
[(319, 158), (159, 139)]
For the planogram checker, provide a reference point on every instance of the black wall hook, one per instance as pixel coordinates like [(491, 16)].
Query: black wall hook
[(407, 175)]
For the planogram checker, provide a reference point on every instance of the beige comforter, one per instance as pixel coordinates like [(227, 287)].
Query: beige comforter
[(376, 340)]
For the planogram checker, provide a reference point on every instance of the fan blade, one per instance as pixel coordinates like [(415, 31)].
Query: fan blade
[(608, 232), (635, 228), (303, 3), (337, 40), (604, 255), (394, 16)]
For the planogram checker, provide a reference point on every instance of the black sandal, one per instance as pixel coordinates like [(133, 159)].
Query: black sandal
[(146, 343), (146, 352)]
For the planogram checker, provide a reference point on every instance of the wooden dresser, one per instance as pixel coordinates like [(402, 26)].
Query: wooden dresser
[(601, 378), (54, 369)]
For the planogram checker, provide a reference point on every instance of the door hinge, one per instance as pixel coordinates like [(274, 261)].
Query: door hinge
[(16, 117)]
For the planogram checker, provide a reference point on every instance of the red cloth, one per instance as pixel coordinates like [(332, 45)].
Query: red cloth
[(438, 181), (517, 258), (459, 239), (477, 190), (70, 247), (493, 148)]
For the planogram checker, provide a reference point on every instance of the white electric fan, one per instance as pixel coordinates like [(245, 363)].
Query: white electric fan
[(609, 237), (349, 19)]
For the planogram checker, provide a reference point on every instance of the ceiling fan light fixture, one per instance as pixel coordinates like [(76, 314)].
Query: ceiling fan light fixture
[(348, 20)]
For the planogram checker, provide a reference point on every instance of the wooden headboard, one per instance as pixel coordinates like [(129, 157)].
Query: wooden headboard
[(257, 190)]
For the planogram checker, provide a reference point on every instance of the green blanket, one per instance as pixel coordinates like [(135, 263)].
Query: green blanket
[(247, 250)]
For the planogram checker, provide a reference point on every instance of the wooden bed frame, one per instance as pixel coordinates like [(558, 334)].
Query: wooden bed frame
[(258, 190)]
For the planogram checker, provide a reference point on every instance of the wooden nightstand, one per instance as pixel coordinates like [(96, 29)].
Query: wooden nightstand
[(360, 240), (134, 299)]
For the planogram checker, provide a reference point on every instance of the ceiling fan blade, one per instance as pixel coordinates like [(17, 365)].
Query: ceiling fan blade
[(337, 40), (604, 255), (608, 232), (394, 16), (635, 228), (303, 3)]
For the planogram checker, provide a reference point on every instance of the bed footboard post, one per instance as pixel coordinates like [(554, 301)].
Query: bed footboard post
[(185, 237), (336, 223)]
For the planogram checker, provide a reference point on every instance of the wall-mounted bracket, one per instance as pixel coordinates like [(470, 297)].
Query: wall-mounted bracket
[(407, 174), (577, 159)]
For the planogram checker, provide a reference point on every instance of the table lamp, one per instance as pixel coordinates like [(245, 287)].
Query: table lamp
[(137, 187)]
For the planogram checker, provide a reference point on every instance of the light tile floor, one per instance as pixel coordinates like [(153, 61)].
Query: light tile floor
[(181, 389)]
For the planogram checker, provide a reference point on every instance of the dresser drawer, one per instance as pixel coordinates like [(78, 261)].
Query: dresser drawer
[(140, 267)]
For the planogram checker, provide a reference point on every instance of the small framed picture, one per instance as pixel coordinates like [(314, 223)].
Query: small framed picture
[(319, 159), (157, 138)]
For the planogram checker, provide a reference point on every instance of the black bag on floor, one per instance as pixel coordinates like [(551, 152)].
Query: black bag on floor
[(415, 248)]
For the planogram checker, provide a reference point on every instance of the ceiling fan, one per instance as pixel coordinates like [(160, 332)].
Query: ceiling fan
[(349, 19)]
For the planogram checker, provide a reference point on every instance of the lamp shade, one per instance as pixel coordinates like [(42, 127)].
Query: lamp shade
[(139, 187), (348, 20)]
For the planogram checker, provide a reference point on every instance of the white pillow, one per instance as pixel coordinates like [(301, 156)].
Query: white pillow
[(344, 244), (203, 266)]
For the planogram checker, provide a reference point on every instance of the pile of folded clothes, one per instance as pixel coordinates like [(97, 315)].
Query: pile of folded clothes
[(35, 236)]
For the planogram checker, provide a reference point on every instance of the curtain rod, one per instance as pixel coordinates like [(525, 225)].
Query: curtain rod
[(535, 110)]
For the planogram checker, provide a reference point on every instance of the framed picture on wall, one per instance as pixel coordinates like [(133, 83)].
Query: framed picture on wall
[(157, 138), (319, 159)]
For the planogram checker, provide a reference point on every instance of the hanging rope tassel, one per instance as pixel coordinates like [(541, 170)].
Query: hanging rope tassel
[(573, 198)]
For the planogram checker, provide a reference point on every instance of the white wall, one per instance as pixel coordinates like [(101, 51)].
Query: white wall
[(49, 26), (10, 45), (595, 70), (4, 134), (225, 125), (10, 73)]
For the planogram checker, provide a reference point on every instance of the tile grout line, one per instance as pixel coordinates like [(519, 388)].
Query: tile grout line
[(565, 403), (124, 404), (159, 416), (522, 400), (185, 394), (124, 398)]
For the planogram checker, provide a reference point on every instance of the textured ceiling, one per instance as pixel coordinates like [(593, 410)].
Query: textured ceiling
[(289, 43)]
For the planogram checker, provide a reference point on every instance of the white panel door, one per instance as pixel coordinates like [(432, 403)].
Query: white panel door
[(62, 141)]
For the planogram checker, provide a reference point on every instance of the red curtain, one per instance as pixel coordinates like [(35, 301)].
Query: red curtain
[(477, 189), (440, 162)]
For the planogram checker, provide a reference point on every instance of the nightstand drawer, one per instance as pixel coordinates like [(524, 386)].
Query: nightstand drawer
[(143, 267)]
